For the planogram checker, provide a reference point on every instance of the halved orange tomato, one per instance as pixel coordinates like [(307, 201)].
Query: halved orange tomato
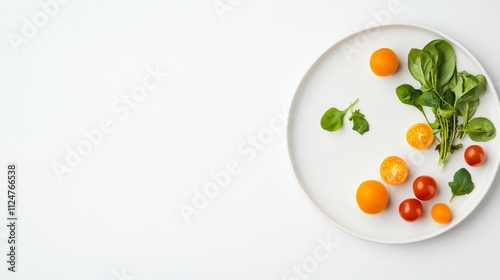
[(394, 170), (420, 136)]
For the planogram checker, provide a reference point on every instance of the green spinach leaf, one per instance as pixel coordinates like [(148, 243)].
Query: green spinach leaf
[(445, 113), (444, 62), (448, 99), (429, 99), (466, 110), (462, 183), (420, 64), (480, 129), (333, 119), (473, 86), (360, 124), (409, 96)]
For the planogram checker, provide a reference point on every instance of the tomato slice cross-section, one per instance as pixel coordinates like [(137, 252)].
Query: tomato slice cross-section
[(394, 170), (420, 136)]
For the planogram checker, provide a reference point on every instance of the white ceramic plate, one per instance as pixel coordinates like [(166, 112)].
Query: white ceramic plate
[(330, 166)]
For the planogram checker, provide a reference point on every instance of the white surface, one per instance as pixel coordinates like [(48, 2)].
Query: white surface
[(330, 166), (116, 216)]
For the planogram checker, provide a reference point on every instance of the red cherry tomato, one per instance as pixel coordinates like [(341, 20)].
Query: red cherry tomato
[(474, 155), (425, 187), (411, 209)]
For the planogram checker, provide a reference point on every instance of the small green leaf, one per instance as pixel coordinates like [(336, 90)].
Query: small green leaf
[(473, 86), (462, 183), (454, 148), (435, 125), (333, 119), (449, 99), (360, 124), (429, 99), (467, 109), (444, 60), (445, 113), (408, 95), (480, 129), (420, 64)]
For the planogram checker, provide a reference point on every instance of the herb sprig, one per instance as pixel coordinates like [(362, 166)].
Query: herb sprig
[(333, 119), (449, 93)]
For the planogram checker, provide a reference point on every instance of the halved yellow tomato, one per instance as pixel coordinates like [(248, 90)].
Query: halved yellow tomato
[(420, 136), (394, 170)]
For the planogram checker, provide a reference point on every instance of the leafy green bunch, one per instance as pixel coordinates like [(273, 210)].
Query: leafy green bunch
[(452, 96)]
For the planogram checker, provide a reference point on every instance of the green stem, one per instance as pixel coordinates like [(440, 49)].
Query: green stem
[(441, 97), (445, 141), (454, 135), (425, 116), (350, 106)]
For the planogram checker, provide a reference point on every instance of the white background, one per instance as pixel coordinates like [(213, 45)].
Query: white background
[(232, 73)]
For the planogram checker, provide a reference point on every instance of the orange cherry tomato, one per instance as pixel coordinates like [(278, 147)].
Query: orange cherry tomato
[(420, 136), (384, 62), (441, 213), (372, 197), (394, 170)]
